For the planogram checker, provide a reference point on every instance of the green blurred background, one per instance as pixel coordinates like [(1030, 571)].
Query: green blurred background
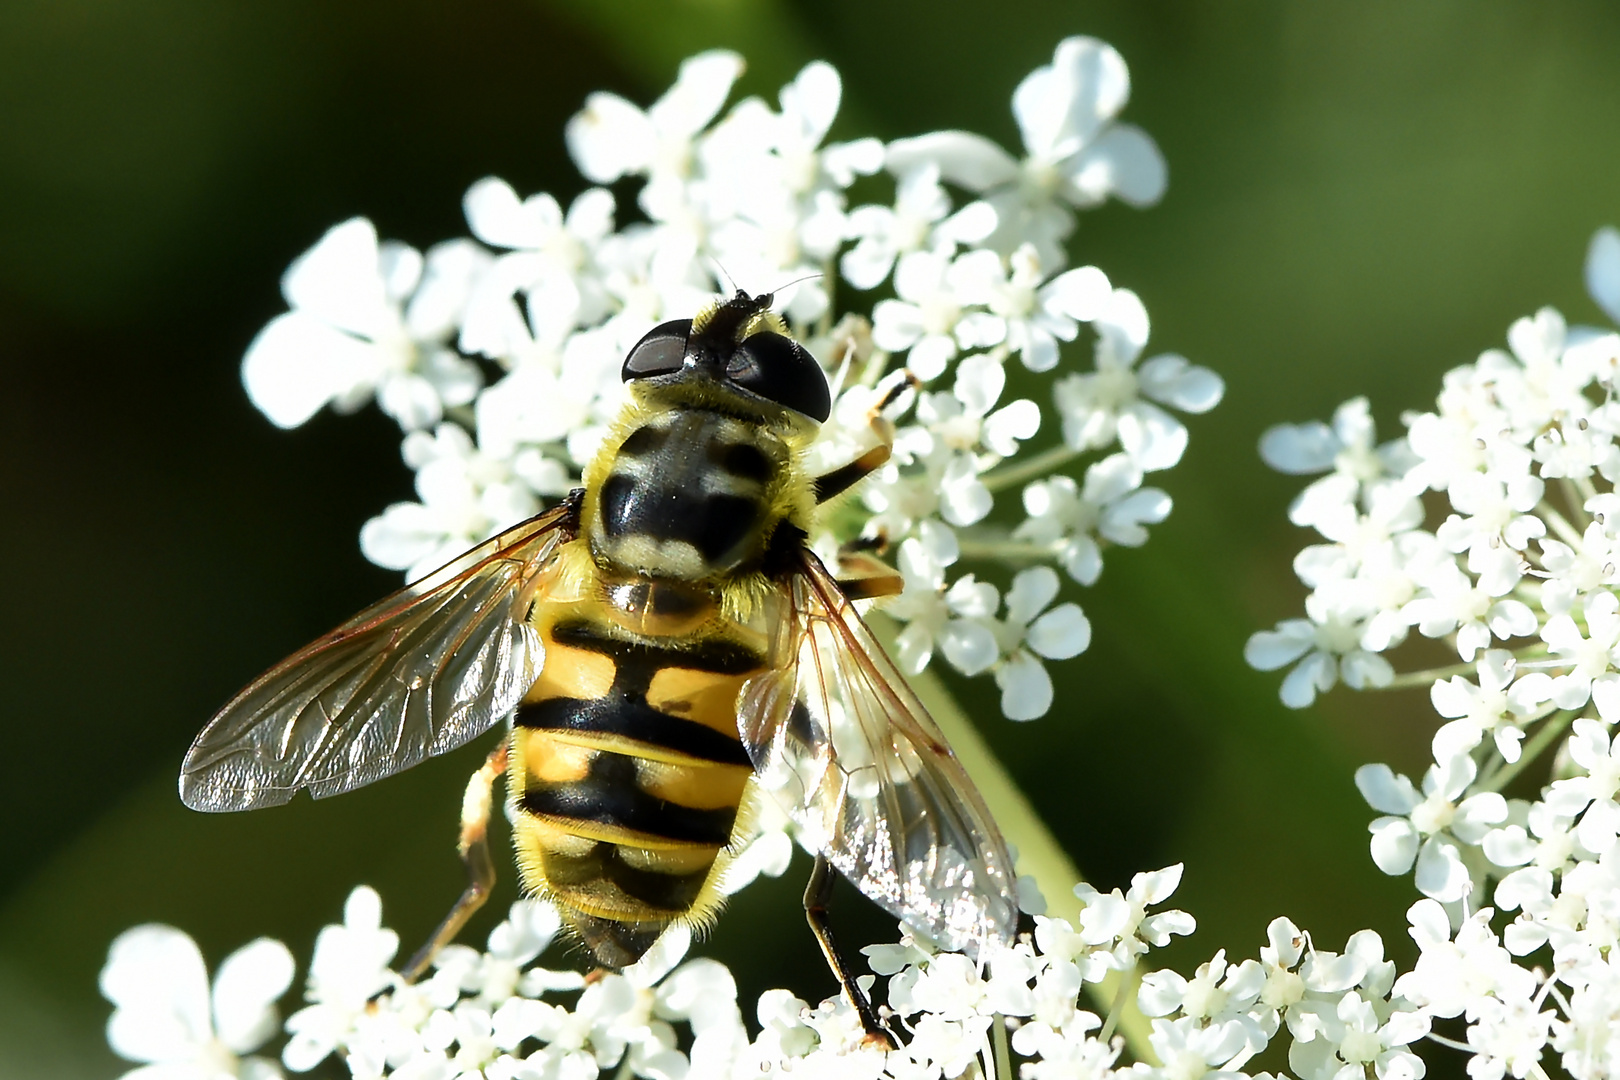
[(1361, 196)]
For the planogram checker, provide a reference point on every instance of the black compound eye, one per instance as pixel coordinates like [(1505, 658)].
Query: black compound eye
[(660, 352), (779, 369)]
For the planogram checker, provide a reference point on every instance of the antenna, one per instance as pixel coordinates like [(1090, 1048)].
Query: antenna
[(731, 281), (795, 281)]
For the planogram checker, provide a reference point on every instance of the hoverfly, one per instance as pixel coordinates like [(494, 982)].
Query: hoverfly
[(666, 647)]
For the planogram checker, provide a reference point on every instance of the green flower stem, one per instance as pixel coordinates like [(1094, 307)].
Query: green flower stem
[(1531, 750), (1576, 495), (1409, 679), (1047, 461), (1039, 854), (1004, 1069), (1003, 550), (1562, 527)]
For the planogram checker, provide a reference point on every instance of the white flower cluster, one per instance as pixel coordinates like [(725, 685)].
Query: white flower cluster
[(1517, 572), (499, 354), (496, 1015)]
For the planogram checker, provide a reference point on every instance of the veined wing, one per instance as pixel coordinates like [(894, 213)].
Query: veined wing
[(843, 744), (420, 673)]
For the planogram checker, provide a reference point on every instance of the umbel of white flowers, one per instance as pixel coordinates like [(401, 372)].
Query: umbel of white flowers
[(1522, 446), (499, 354), (1518, 573)]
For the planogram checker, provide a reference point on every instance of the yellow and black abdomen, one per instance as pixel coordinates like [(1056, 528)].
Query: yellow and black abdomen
[(626, 775)]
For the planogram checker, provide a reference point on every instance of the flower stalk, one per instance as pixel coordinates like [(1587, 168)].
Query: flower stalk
[(1040, 856)]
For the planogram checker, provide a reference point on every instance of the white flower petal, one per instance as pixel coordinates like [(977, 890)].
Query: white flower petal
[(1268, 650), (1080, 294), (246, 989), (610, 138), (1061, 633), (1300, 449), (1154, 439), (298, 363), (1004, 428), (1126, 163), (865, 266), (339, 280), (498, 217), (814, 95), (968, 160), (701, 88), (1061, 105), (401, 536), (1031, 591), (1606, 696), (1026, 688), (1440, 872), (969, 647), (1385, 790), (156, 977), (1430, 926), (1124, 322), (1171, 380), (1394, 845)]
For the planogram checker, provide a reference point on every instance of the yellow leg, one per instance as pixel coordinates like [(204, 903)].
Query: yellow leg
[(841, 479), (473, 845), (863, 577), (816, 895)]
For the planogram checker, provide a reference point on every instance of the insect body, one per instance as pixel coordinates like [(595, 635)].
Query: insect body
[(668, 649)]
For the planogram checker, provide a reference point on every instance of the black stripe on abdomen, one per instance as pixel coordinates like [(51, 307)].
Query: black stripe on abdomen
[(632, 718), (671, 892), (637, 662), (611, 796)]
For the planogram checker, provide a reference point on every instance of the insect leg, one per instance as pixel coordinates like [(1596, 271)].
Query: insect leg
[(841, 479), (816, 895), (862, 577), (473, 845)]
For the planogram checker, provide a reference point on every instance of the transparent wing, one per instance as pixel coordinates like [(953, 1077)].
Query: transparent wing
[(417, 674), (839, 739)]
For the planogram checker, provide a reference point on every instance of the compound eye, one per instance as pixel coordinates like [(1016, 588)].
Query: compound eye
[(660, 352), (779, 369)]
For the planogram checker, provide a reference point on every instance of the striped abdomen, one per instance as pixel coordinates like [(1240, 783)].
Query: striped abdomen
[(626, 775)]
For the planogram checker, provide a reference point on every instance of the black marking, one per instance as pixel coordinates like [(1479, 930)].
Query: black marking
[(784, 552), (637, 662), (877, 543), (742, 459), (662, 599), (618, 505), (572, 504), (669, 494), (632, 718), (610, 796), (669, 891), (800, 726), (644, 440), (615, 944), (624, 711), (714, 524), (725, 522)]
